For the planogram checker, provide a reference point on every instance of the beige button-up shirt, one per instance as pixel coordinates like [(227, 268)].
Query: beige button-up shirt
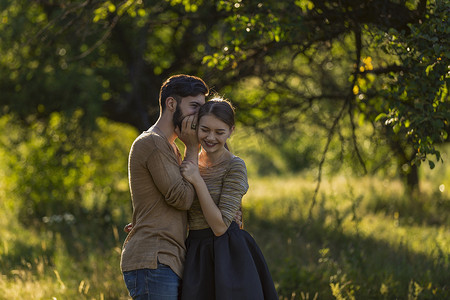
[(161, 197)]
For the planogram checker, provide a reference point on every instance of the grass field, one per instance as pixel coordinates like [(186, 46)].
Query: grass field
[(364, 240)]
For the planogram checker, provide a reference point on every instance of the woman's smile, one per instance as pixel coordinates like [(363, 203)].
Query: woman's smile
[(213, 133), (209, 144)]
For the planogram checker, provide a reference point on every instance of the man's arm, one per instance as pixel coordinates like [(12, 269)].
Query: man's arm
[(165, 171)]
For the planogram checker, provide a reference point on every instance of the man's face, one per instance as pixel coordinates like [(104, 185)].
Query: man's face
[(188, 106)]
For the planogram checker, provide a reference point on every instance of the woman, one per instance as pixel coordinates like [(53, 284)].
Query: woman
[(223, 261)]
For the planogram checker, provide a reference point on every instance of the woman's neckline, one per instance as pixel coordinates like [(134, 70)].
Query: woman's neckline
[(228, 157)]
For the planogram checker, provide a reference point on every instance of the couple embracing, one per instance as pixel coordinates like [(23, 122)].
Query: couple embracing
[(201, 194)]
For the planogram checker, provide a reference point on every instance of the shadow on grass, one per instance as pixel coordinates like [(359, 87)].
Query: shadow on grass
[(316, 259), (308, 260), (24, 256)]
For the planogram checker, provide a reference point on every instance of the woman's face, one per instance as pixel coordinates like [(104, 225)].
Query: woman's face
[(213, 133)]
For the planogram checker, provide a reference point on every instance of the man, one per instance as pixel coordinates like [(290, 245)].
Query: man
[(153, 253)]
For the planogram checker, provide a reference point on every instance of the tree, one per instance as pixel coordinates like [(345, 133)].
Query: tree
[(394, 62), (341, 63), (106, 58)]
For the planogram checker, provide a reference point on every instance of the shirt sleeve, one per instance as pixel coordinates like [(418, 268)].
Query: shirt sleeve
[(235, 186), (165, 171)]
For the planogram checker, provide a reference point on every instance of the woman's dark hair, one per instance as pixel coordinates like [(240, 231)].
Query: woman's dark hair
[(180, 86), (220, 108)]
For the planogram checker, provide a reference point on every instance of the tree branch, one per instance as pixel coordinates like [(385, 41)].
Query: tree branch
[(358, 42), (385, 70), (322, 160)]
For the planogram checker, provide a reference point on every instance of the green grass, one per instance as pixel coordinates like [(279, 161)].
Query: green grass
[(365, 240)]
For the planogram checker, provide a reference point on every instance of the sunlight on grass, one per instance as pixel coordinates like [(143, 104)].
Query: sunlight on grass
[(428, 240), (36, 265), (366, 239), (360, 226), (24, 286)]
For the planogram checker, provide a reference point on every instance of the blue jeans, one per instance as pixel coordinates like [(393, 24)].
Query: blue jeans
[(153, 284)]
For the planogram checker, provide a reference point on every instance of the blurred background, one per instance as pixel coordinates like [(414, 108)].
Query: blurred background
[(343, 121)]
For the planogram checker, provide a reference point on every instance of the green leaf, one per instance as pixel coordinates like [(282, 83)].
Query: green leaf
[(429, 68), (380, 116)]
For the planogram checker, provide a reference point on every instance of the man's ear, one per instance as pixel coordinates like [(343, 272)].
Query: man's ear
[(171, 104)]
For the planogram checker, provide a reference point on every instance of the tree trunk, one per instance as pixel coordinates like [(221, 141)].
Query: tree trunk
[(408, 172)]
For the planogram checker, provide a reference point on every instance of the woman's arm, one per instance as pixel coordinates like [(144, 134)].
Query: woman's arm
[(210, 210), (212, 213)]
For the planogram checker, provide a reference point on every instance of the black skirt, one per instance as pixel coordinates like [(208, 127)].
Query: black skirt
[(229, 267)]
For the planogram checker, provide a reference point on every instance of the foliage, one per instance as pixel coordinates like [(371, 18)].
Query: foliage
[(64, 200), (346, 250), (337, 59), (105, 58), (349, 81), (59, 176), (419, 95), (365, 237), (332, 64)]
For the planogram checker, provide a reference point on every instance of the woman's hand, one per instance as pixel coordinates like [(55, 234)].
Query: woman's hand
[(190, 171), (238, 218), (128, 227)]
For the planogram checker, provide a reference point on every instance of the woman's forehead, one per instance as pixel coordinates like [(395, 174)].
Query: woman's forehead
[(211, 121)]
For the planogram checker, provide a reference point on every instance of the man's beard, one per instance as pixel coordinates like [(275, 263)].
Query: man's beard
[(177, 118)]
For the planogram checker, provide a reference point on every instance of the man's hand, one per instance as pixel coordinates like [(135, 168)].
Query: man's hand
[(188, 132), (188, 135)]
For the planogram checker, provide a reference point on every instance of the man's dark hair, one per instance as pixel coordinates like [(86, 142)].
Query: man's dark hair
[(180, 86)]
